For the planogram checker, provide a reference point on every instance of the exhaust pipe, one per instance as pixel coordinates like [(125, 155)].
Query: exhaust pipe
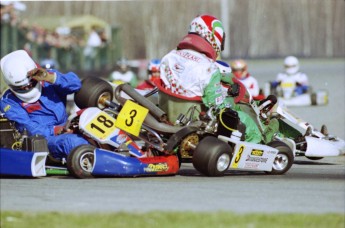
[(143, 101), (154, 112)]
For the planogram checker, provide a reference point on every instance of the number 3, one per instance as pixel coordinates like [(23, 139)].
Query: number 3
[(133, 113)]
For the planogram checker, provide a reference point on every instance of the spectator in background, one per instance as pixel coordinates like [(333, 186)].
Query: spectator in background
[(239, 69), (123, 74), (153, 74), (36, 101), (91, 48), (9, 11)]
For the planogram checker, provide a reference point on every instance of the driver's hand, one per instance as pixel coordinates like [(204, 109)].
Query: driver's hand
[(234, 90), (58, 130), (40, 74)]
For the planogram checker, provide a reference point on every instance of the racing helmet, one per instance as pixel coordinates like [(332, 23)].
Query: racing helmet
[(291, 65), (225, 70), (211, 29), (153, 70), (14, 67), (123, 64), (239, 68)]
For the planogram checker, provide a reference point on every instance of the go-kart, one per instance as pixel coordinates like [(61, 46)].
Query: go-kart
[(286, 94), (116, 153), (21, 155), (308, 141), (213, 147)]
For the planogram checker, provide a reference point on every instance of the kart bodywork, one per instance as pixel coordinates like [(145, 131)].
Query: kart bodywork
[(22, 163), (287, 96), (201, 141)]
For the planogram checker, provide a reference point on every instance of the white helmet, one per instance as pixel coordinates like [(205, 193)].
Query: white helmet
[(291, 65), (211, 29), (15, 67)]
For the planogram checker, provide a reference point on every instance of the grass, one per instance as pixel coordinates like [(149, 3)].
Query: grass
[(169, 219)]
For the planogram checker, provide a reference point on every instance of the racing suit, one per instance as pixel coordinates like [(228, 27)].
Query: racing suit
[(252, 84), (47, 115), (300, 80), (192, 71)]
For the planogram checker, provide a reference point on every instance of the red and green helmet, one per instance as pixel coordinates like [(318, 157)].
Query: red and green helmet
[(211, 29)]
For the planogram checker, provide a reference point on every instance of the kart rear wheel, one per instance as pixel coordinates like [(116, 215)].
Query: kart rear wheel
[(185, 139), (212, 156), (92, 92), (284, 159), (80, 161)]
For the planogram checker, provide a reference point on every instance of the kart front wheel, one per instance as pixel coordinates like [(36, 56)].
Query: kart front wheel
[(212, 156), (80, 161), (284, 159)]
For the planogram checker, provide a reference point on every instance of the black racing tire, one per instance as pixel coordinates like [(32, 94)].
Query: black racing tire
[(212, 157), (284, 159), (80, 161), (91, 91), (313, 99), (314, 158)]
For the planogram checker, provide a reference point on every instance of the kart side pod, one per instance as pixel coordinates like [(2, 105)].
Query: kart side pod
[(22, 163), (318, 147), (108, 163)]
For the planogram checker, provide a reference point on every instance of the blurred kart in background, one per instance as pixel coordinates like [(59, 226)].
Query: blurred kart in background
[(286, 94)]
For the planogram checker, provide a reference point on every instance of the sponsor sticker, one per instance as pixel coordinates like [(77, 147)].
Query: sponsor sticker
[(159, 167), (257, 152)]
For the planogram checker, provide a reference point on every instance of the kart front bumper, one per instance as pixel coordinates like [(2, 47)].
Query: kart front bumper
[(109, 163)]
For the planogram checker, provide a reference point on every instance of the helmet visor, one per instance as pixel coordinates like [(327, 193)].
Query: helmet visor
[(24, 88)]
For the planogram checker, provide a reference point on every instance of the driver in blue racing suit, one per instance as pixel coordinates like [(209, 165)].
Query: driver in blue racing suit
[(36, 101)]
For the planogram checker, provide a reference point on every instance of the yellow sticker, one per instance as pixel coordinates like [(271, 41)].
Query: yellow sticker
[(7, 108), (238, 157), (101, 126), (131, 117), (287, 85)]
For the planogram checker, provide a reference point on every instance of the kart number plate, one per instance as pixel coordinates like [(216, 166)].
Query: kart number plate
[(238, 157), (101, 126), (131, 117)]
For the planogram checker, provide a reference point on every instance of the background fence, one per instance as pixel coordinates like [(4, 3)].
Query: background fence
[(149, 29), (256, 28)]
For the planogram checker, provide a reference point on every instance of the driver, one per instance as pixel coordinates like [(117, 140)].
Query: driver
[(191, 69), (240, 70), (36, 101), (293, 75)]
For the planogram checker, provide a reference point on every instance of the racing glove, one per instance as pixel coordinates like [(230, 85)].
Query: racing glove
[(40, 74), (234, 90), (274, 84)]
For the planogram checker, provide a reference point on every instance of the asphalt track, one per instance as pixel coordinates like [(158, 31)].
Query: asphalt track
[(308, 187)]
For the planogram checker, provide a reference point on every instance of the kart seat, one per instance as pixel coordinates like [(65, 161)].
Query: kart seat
[(175, 104)]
